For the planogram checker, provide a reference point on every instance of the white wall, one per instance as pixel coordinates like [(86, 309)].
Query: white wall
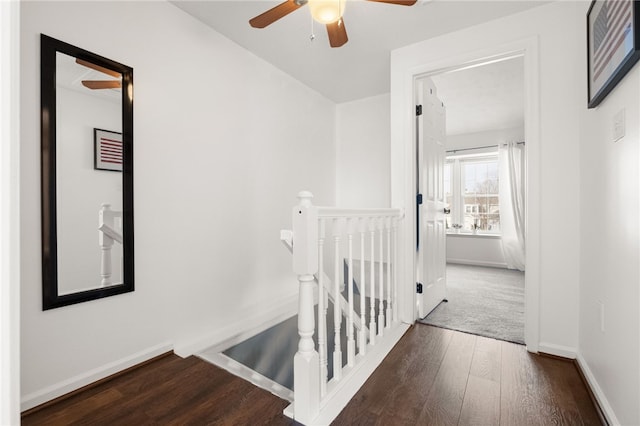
[(218, 163), (552, 36), (9, 213), (362, 157), (610, 253), (480, 250)]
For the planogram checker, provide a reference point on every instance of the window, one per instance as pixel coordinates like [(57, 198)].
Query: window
[(471, 186)]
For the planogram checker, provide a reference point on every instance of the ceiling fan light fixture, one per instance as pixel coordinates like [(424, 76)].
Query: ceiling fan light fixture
[(326, 11)]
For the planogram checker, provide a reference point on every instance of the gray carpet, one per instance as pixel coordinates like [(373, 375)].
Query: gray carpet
[(484, 301)]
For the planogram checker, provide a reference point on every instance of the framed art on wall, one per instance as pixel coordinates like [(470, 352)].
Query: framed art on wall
[(107, 150), (613, 45)]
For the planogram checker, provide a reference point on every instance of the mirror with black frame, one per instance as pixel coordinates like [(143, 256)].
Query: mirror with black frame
[(87, 175)]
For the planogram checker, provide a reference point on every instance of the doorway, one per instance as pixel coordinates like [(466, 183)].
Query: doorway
[(479, 183), (403, 171)]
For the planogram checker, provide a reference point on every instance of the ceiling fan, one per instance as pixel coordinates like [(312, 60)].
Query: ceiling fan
[(328, 12), (100, 84)]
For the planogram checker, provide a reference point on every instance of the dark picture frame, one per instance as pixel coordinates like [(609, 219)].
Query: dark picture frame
[(613, 45), (107, 150)]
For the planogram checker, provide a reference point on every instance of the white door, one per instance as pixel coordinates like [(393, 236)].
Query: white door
[(431, 134)]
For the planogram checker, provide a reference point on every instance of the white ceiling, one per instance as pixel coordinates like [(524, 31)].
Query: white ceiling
[(487, 97), (360, 68)]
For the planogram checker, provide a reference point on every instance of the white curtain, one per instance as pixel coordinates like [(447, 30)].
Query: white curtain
[(512, 204)]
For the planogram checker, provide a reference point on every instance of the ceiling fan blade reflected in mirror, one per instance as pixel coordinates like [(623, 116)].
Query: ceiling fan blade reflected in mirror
[(101, 84), (398, 2), (337, 33), (98, 68), (273, 14)]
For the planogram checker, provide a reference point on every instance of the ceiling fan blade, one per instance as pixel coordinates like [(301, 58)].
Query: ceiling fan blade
[(337, 33), (273, 14), (98, 68), (398, 2), (101, 84)]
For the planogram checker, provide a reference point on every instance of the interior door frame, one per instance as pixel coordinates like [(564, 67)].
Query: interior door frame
[(403, 169)]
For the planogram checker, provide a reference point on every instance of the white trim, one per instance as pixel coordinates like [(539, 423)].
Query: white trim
[(341, 393), (240, 330), (403, 169), (597, 392), (477, 263), (246, 373), (10, 212), (56, 390), (557, 350)]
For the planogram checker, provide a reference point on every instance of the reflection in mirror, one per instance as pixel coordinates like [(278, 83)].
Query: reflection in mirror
[(81, 188), (87, 128)]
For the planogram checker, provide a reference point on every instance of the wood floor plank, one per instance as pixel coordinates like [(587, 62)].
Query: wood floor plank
[(405, 402), (487, 359), (392, 392), (444, 401), (481, 405), (521, 389), (80, 409), (564, 391)]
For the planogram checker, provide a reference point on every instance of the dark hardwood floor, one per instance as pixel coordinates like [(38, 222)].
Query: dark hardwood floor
[(435, 376), (169, 391), (432, 377)]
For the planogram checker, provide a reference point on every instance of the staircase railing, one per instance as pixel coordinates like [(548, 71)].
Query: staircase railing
[(107, 236), (370, 234), (286, 236)]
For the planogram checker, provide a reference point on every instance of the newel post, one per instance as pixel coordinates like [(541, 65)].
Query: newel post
[(306, 363)]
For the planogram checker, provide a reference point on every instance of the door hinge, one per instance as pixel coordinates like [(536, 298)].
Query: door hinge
[(418, 110), (419, 199), (419, 288)]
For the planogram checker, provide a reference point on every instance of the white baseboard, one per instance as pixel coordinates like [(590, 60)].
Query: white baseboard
[(597, 391), (56, 390), (477, 263), (557, 350), (239, 330)]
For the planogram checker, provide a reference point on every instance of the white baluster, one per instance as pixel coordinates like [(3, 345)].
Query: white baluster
[(395, 269), (372, 295), (105, 217), (387, 224), (322, 312), (306, 363), (381, 279), (351, 343), (362, 338), (337, 314)]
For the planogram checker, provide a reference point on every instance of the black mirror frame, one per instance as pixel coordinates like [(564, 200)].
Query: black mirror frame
[(50, 297)]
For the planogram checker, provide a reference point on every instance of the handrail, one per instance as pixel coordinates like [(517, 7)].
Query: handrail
[(368, 213)]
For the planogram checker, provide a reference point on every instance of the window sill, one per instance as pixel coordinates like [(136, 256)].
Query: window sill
[(471, 235)]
